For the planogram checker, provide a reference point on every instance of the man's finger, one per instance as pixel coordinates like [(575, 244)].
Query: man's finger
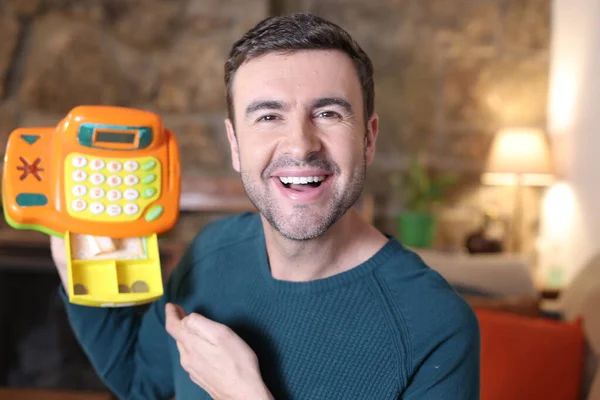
[(203, 327), (173, 317), (180, 311)]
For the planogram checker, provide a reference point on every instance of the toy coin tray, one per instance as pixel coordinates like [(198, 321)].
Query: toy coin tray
[(125, 274), (107, 180)]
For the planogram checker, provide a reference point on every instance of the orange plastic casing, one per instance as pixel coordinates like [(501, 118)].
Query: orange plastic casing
[(39, 168)]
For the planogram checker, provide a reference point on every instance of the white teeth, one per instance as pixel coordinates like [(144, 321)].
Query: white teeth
[(301, 180)]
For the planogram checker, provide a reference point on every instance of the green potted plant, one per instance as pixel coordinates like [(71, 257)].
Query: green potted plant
[(421, 192)]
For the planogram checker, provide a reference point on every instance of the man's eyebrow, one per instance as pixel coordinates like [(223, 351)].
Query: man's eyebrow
[(333, 101), (264, 105)]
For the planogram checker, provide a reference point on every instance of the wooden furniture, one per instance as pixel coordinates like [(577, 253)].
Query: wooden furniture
[(33, 256)]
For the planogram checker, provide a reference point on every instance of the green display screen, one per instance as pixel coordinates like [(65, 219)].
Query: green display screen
[(112, 137), (103, 136)]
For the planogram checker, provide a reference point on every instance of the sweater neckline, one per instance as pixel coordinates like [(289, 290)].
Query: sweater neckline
[(391, 247)]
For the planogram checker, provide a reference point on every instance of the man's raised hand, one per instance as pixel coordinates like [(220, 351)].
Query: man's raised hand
[(215, 357)]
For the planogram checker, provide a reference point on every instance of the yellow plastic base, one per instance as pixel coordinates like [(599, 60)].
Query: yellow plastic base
[(115, 283)]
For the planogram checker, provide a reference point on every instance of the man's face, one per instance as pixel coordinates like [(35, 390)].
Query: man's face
[(300, 142)]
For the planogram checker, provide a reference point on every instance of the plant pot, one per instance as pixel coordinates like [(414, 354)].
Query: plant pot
[(416, 229)]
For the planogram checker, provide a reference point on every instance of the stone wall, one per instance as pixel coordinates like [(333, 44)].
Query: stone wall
[(449, 73)]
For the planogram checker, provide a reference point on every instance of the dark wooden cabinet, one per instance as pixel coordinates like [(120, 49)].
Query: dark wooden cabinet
[(40, 357)]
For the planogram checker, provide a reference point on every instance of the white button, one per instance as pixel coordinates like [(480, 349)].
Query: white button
[(79, 175), (114, 195), (114, 166), (131, 180), (131, 166), (131, 209), (114, 180), (97, 164), (131, 194), (79, 205), (79, 161), (96, 193), (113, 210), (97, 208), (97, 179), (79, 190)]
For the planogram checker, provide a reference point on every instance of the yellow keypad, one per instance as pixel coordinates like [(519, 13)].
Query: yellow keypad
[(110, 189)]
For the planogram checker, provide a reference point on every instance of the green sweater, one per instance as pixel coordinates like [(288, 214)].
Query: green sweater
[(390, 328)]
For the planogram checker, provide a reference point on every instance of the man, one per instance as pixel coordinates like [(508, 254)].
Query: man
[(304, 300)]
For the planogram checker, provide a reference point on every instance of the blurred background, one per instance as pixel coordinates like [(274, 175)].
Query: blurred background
[(449, 75)]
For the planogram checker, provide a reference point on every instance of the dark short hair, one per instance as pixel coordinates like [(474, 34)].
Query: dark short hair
[(295, 32)]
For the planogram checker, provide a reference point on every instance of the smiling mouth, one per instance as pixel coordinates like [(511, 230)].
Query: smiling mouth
[(302, 183)]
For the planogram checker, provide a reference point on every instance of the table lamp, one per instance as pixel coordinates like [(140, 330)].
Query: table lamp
[(518, 157)]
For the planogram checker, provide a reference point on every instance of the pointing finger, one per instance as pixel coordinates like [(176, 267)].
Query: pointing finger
[(205, 328), (173, 317)]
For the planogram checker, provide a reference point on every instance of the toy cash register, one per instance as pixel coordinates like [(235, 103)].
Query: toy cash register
[(107, 179)]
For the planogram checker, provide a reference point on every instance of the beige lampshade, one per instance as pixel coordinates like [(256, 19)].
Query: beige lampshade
[(519, 153)]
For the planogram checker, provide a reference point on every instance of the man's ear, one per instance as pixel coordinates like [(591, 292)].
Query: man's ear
[(371, 138), (233, 145)]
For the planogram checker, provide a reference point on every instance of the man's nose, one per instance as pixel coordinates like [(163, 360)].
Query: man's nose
[(302, 140)]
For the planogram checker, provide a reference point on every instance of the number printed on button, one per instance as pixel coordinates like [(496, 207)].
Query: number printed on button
[(131, 194), (97, 179), (131, 166), (79, 205), (131, 180), (79, 175), (79, 190), (131, 209), (97, 208), (113, 210), (97, 164), (114, 166), (79, 161), (97, 193), (114, 195), (114, 180)]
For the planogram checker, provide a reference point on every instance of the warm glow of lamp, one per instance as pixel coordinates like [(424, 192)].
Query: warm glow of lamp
[(519, 157)]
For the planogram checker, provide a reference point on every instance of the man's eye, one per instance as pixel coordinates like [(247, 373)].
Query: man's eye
[(328, 114), (267, 118)]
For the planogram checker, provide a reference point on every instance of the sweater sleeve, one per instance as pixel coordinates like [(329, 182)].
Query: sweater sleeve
[(127, 348), (439, 351), (448, 366)]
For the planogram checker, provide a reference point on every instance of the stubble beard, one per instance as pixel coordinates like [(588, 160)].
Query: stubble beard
[(307, 222)]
